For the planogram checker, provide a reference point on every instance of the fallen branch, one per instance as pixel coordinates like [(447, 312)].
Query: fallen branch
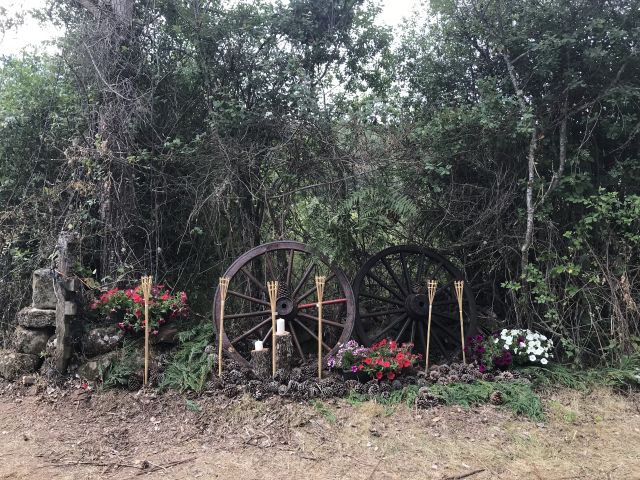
[(465, 475)]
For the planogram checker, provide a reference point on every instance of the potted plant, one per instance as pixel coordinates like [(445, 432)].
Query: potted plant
[(387, 359), (126, 308), (347, 359)]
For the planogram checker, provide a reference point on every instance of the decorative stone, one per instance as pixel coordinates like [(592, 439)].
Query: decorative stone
[(43, 295), (31, 317), (28, 380), (13, 364), (101, 340), (32, 341), (93, 367)]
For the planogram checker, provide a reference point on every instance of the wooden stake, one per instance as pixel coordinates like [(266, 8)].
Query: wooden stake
[(273, 298), (320, 281), (459, 286), (432, 285), (224, 286), (145, 283)]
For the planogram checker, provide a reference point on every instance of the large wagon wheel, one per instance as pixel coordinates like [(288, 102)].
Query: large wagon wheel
[(392, 302), (294, 265)]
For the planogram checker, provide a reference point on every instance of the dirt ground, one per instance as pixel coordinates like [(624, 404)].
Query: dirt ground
[(55, 434)]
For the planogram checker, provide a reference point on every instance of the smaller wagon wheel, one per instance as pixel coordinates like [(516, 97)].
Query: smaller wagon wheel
[(294, 265), (392, 301)]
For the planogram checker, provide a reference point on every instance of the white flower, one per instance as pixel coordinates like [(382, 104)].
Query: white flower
[(496, 340), (529, 336), (506, 347), (546, 355), (503, 332), (508, 340), (532, 358), (544, 361), (543, 337)]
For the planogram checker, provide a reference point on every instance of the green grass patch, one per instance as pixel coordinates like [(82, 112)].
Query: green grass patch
[(518, 397), (190, 367), (622, 377), (325, 411)]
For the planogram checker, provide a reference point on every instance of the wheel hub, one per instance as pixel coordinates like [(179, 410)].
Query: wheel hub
[(417, 306), (286, 308)]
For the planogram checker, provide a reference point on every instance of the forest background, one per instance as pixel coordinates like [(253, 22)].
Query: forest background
[(173, 135)]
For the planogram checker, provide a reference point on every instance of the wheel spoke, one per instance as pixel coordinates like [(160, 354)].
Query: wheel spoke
[(249, 332), (443, 303), (295, 340), (382, 312), (313, 334), (306, 274), (313, 289), (268, 335), (404, 327), (405, 272), (289, 268), (324, 320), (380, 282), (253, 279), (247, 297), (390, 326), (393, 275), (382, 299), (247, 314), (420, 271)]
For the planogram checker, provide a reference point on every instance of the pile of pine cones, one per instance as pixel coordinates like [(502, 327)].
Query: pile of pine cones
[(303, 384)]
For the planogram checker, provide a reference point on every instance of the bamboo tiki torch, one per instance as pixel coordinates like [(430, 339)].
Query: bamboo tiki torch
[(145, 283), (320, 281), (273, 298), (223, 287), (459, 286), (431, 288)]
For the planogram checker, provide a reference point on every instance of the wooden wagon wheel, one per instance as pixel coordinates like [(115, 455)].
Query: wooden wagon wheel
[(293, 264), (392, 302)]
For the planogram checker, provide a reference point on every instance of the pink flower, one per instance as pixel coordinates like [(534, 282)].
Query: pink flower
[(183, 297)]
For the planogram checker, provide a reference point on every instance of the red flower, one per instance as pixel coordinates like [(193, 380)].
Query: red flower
[(121, 326), (383, 342), (138, 313), (399, 356), (378, 375), (360, 367), (406, 363), (368, 361), (183, 297), (137, 298), (128, 293), (165, 296), (386, 364), (393, 344), (378, 361), (94, 305), (391, 375)]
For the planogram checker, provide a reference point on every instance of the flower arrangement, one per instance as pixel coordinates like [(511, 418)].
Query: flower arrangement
[(348, 356), (126, 307), (385, 359), (516, 346)]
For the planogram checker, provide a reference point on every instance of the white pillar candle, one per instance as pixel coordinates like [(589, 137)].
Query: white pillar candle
[(258, 346), (279, 326)]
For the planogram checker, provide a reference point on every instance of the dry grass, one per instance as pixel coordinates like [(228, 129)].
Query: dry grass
[(593, 436)]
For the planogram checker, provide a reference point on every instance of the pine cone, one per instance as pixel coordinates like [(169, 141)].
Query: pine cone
[(504, 377), (422, 382), (426, 400), (385, 395), (282, 376), (351, 385), (443, 381), (259, 392), (271, 386), (385, 387), (467, 378), (293, 387), (454, 378), (361, 388), (434, 375), (496, 398), (339, 390), (283, 390), (309, 371), (410, 380), (488, 377), (232, 377), (231, 390), (134, 382), (373, 390), (455, 367), (296, 375), (253, 386), (310, 389), (444, 369)]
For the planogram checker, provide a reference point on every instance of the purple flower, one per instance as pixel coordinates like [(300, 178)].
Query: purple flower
[(354, 368), (482, 367)]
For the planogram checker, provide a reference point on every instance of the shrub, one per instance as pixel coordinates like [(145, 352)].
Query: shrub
[(501, 350)]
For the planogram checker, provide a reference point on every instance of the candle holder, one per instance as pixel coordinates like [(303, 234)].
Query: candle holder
[(432, 285), (273, 298), (223, 287), (320, 282), (459, 287), (145, 283)]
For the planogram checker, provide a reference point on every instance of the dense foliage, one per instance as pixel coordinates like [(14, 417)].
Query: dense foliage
[(174, 135)]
